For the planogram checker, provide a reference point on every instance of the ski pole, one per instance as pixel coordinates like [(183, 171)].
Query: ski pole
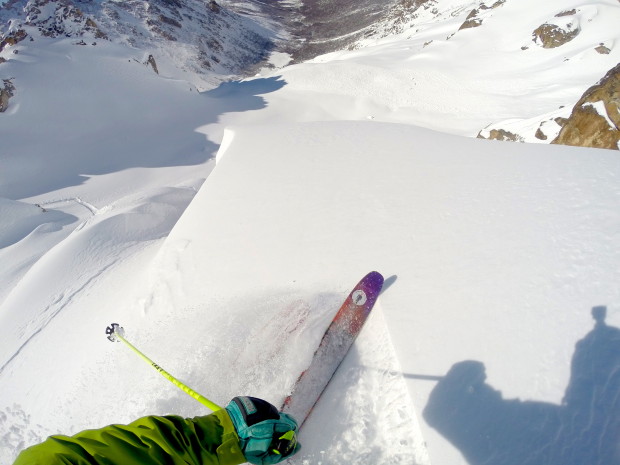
[(116, 333)]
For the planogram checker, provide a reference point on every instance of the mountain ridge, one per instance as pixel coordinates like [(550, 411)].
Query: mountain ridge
[(201, 37), (208, 42)]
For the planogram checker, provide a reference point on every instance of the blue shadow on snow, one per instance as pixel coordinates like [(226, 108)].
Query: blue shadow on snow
[(583, 430), (164, 136), (249, 88)]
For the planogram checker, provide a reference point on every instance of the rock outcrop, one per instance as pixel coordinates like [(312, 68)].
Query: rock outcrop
[(477, 15), (558, 31), (501, 134), (6, 92), (13, 38), (198, 35), (552, 35), (595, 119), (58, 18)]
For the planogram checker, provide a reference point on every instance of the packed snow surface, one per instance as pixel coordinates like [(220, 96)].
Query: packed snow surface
[(496, 337)]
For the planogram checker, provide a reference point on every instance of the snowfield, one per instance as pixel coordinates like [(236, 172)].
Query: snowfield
[(222, 229)]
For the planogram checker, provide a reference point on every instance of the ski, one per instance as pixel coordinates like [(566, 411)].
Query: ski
[(333, 348)]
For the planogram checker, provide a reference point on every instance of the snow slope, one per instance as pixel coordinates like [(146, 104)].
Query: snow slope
[(112, 154), (458, 81), (495, 254)]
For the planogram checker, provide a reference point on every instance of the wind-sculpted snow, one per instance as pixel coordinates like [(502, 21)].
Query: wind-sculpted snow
[(497, 255), (108, 113), (87, 255)]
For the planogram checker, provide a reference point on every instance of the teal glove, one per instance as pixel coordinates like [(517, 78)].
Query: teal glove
[(266, 436)]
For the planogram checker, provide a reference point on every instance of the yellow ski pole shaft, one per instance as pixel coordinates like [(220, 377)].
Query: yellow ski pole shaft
[(117, 333)]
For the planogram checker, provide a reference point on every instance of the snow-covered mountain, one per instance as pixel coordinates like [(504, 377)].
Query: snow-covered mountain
[(566, 48), (209, 217), (197, 36)]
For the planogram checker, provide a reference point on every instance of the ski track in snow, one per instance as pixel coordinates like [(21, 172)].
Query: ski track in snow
[(47, 314), (369, 407), (55, 203), (275, 335)]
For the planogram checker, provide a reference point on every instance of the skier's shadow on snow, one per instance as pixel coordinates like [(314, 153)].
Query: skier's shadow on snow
[(583, 430)]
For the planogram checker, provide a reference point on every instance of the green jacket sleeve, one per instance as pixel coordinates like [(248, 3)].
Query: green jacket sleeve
[(153, 440)]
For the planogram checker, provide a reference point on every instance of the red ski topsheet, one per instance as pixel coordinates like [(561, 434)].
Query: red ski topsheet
[(334, 346)]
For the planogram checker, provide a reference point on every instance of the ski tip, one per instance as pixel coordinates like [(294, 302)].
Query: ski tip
[(374, 277)]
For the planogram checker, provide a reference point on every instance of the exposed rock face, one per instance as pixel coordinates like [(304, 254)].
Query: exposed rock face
[(60, 18), (477, 15), (214, 7), (501, 134), (540, 135), (326, 26), (200, 35), (472, 20), (402, 12), (603, 49), (566, 13), (13, 38), (595, 119), (539, 129), (559, 30), (151, 62), (552, 35), (5, 94)]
